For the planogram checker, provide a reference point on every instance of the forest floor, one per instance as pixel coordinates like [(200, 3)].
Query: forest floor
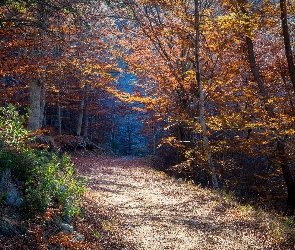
[(146, 209)]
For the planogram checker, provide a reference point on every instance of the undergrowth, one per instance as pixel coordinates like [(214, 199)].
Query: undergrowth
[(44, 180), (51, 191)]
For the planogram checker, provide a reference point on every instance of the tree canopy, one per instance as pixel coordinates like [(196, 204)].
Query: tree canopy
[(212, 86)]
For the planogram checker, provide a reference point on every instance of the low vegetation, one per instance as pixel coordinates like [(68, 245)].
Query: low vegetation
[(44, 180), (56, 212)]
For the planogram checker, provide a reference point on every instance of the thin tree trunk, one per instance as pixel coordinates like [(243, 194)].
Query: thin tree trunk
[(283, 75), (257, 77), (42, 106), (85, 122), (81, 113), (129, 133), (287, 41), (202, 118), (59, 111), (59, 116), (154, 141), (289, 180), (86, 115), (35, 94)]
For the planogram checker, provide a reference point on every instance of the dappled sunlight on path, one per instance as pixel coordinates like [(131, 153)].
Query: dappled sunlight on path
[(159, 212)]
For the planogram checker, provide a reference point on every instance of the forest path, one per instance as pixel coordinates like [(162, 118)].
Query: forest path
[(158, 212)]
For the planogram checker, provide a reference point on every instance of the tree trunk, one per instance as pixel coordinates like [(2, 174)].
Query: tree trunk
[(59, 116), (202, 118), (154, 141), (59, 111), (35, 95), (85, 123), (34, 121), (257, 77), (86, 115), (287, 41), (42, 106), (81, 113), (288, 178)]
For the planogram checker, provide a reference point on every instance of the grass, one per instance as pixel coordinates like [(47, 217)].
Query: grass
[(280, 228)]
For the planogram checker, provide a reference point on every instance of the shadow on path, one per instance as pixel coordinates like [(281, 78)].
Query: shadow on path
[(161, 213)]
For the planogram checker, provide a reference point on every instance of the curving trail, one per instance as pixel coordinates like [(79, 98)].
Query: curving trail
[(158, 212)]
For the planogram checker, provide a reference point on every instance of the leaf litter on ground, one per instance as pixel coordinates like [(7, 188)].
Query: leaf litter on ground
[(155, 211)]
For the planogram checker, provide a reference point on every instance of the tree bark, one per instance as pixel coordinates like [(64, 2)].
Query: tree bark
[(34, 121), (287, 41), (86, 114), (81, 113), (257, 77), (85, 122), (42, 106), (288, 178), (35, 94), (59, 114), (202, 118)]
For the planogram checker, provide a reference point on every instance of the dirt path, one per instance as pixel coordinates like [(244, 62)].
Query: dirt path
[(158, 212)]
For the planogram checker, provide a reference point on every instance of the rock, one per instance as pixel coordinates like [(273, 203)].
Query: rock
[(5, 180), (45, 142), (7, 227), (67, 218), (66, 228), (13, 197), (79, 237), (8, 190)]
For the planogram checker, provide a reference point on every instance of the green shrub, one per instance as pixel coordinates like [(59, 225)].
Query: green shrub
[(12, 131), (52, 183), (46, 181)]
